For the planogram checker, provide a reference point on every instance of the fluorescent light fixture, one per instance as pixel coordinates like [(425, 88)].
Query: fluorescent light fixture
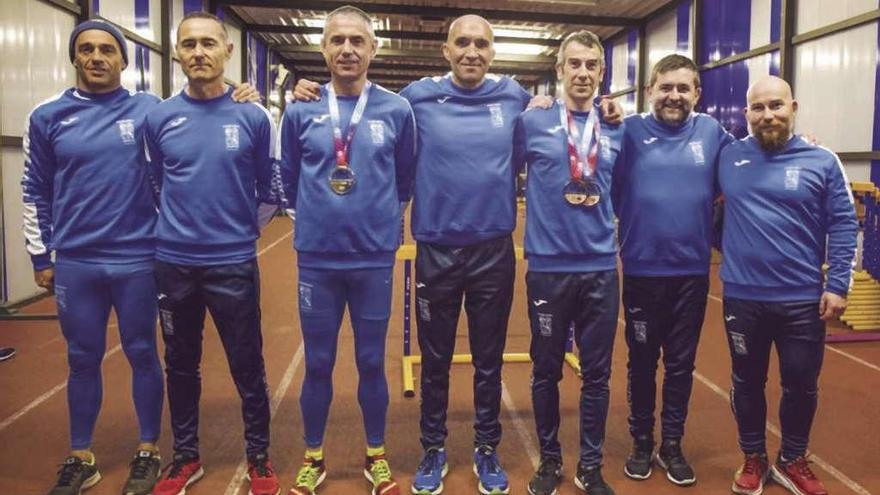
[(521, 33), (519, 48)]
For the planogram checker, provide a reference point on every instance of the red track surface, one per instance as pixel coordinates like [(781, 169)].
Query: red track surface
[(33, 412)]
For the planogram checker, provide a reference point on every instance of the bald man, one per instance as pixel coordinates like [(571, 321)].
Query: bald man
[(788, 210)]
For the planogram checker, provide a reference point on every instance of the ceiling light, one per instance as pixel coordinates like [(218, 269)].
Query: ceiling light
[(519, 48)]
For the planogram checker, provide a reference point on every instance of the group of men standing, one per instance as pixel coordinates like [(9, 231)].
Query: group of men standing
[(349, 161)]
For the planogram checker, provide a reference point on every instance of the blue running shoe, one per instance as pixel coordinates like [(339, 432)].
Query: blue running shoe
[(429, 476), (493, 479)]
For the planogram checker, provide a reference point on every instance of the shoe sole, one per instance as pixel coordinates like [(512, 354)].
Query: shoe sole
[(785, 481), (578, 484), (529, 489), (436, 491), (317, 484), (742, 491), (484, 491), (370, 479), (638, 477), (687, 482)]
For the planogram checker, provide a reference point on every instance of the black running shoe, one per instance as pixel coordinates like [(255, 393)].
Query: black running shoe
[(670, 458), (143, 473), (75, 476), (546, 479), (589, 479), (641, 459)]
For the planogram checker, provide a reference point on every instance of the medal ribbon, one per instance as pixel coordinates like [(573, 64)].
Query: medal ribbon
[(342, 147), (583, 155)]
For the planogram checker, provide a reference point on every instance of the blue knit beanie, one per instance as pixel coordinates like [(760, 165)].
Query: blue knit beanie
[(103, 26)]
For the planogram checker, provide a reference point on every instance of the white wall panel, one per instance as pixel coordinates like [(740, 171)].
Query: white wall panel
[(760, 25), (662, 38), (122, 12), (178, 79), (35, 62), (812, 14), (834, 83), (758, 67), (857, 171), (233, 65), (18, 270), (619, 61), (176, 16)]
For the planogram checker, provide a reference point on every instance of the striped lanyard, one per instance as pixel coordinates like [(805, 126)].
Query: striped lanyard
[(341, 146), (583, 150)]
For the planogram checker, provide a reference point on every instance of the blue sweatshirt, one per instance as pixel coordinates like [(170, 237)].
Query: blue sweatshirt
[(86, 189), (465, 186), (780, 209), (561, 237), (663, 192), (213, 162), (362, 228)]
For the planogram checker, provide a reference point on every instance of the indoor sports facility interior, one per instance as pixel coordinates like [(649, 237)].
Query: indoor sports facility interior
[(828, 50)]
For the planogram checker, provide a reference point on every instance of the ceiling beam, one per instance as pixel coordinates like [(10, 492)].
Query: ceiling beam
[(429, 54), (436, 11), (397, 35)]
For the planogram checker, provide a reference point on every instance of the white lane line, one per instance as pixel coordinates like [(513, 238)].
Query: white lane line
[(833, 471), (61, 386), (46, 396), (845, 354), (240, 471), (519, 424)]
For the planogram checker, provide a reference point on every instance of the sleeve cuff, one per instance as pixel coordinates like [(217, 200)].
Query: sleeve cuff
[(834, 289), (42, 261)]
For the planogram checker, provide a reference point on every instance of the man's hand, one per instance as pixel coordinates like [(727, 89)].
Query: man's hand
[(540, 101), (811, 138), (831, 306), (306, 90), (612, 111), (245, 93), (45, 278)]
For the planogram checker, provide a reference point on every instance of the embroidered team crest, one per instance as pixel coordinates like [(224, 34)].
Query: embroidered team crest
[(231, 133), (640, 329), (377, 132), (739, 343), (605, 147), (792, 178), (495, 114), (126, 130), (305, 296), (545, 323), (697, 150)]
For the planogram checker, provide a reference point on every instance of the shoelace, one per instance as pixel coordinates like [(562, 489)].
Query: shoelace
[(548, 467), (803, 468), (140, 466), (486, 461), (308, 474), (176, 467), (753, 465), (261, 466), (673, 450), (430, 461), (380, 471), (69, 471)]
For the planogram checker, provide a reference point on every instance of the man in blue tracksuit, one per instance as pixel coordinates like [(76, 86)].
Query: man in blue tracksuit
[(347, 164), (213, 161), (663, 196), (572, 254), (87, 198), (787, 210)]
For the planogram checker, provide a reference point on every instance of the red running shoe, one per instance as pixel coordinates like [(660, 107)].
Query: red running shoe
[(797, 477), (751, 476), (262, 476), (183, 471)]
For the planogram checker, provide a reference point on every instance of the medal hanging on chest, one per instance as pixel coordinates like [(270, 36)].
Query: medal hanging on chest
[(342, 179), (582, 189)]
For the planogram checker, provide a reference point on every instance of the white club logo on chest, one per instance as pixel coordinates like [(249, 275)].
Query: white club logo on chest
[(697, 151), (605, 147), (496, 115), (377, 131), (126, 130), (792, 178), (231, 134)]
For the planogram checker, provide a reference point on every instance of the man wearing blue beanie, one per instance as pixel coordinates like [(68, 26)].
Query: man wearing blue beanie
[(99, 219)]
